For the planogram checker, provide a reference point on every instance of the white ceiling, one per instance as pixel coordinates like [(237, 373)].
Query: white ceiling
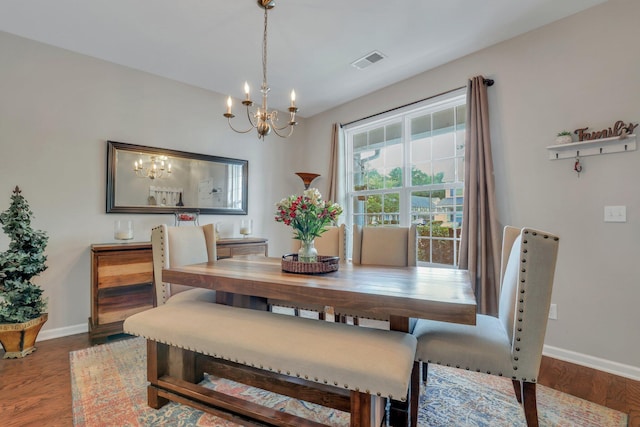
[(217, 45)]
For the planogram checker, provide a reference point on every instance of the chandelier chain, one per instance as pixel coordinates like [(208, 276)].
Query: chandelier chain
[(264, 51)]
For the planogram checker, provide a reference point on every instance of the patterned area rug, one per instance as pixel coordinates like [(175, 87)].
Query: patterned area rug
[(109, 389)]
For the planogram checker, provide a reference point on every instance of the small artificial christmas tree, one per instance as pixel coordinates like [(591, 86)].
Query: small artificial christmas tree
[(20, 299)]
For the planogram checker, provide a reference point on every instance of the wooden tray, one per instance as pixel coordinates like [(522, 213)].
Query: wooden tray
[(325, 264)]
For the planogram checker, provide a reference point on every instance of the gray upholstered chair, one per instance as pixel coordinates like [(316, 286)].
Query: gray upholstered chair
[(330, 243), (511, 344), (388, 246), (175, 246)]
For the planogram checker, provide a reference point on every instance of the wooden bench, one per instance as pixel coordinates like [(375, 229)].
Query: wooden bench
[(345, 367)]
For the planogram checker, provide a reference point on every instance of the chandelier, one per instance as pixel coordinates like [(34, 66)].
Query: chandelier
[(157, 167), (261, 119)]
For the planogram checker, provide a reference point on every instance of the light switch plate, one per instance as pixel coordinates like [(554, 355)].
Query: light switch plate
[(615, 214)]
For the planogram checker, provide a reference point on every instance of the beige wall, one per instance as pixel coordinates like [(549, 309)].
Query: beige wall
[(58, 109), (581, 71)]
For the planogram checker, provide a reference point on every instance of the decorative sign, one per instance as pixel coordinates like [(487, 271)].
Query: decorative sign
[(619, 129)]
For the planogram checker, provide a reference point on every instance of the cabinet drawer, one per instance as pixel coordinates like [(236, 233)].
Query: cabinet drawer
[(130, 268), (116, 304), (223, 252)]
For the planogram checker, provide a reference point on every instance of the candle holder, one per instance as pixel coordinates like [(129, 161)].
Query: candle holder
[(123, 229), (246, 227)]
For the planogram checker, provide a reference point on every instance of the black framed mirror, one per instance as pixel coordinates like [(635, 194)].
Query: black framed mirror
[(144, 180)]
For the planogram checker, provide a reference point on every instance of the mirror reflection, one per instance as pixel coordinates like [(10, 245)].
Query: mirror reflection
[(144, 179)]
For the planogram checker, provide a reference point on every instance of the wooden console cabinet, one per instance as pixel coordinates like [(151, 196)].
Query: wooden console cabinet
[(121, 285), (122, 280)]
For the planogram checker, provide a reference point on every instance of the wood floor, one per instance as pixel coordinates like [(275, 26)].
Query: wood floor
[(36, 390)]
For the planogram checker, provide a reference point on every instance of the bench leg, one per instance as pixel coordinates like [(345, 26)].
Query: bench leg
[(157, 362), (183, 364), (366, 410)]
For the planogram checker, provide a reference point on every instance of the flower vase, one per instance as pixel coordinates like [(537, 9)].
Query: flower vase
[(307, 251)]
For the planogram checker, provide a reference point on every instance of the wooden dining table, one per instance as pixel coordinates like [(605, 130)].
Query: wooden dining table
[(396, 293), (443, 294)]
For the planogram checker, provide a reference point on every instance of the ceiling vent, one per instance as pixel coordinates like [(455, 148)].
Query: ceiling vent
[(368, 59)]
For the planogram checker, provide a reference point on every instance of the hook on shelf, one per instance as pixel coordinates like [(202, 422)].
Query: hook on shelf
[(577, 166)]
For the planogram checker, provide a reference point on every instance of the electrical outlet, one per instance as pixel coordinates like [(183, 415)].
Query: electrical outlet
[(553, 312)]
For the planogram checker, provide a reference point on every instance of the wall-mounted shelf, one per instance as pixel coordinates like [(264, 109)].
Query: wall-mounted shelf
[(592, 148)]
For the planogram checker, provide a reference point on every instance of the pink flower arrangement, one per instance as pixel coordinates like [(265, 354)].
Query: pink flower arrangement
[(307, 214)]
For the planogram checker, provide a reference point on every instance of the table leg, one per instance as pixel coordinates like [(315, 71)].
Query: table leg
[(244, 301), (399, 323)]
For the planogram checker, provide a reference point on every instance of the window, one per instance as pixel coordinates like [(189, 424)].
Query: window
[(409, 168)]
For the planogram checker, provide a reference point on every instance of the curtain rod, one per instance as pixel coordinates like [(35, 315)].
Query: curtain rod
[(488, 82)]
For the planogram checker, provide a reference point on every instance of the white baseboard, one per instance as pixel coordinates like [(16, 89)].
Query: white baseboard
[(604, 365), (62, 332)]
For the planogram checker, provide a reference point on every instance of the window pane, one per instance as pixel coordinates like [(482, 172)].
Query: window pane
[(421, 174), (392, 202), (450, 210), (393, 162), (460, 135), (460, 176), (443, 121), (442, 251), (394, 133), (375, 180), (359, 182), (461, 115), (394, 178), (421, 150), (374, 203), (359, 141), (376, 136), (421, 127), (392, 155), (359, 204), (444, 146), (444, 171), (421, 203)]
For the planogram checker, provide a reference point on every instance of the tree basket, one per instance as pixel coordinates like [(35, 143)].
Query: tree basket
[(325, 264)]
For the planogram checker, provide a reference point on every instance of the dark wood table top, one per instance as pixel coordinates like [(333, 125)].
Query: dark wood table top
[(400, 292)]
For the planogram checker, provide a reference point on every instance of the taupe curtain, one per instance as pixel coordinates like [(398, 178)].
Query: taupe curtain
[(480, 240), (336, 167), (337, 183)]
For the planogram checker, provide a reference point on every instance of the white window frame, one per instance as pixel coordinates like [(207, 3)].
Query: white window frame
[(404, 115)]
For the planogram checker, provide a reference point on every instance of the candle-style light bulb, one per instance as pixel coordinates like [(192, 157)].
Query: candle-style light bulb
[(246, 90), (293, 98), (229, 104)]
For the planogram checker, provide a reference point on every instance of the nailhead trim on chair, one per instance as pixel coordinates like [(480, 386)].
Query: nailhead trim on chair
[(523, 270), (521, 300), (162, 257)]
